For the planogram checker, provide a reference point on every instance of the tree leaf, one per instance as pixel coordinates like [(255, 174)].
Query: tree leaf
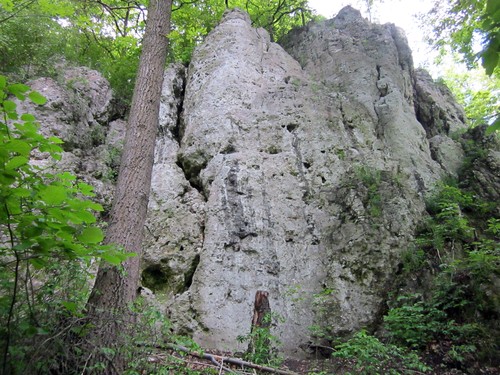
[(27, 117), (21, 192), (16, 162), (86, 189), (492, 6), (18, 146), (37, 98), (18, 89), (70, 306), (7, 5), (38, 262), (9, 106), (91, 235), (66, 176), (56, 140), (85, 216), (54, 195), (493, 127)]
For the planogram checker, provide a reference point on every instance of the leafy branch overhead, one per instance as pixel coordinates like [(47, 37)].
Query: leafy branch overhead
[(471, 28)]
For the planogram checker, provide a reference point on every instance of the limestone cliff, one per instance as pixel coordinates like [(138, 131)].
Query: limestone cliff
[(300, 170), (294, 172)]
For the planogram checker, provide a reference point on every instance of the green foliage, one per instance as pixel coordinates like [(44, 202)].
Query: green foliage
[(490, 26), (112, 161), (323, 304), (413, 323), (413, 259), (38, 36), (462, 303), (262, 343), (478, 94), (447, 221), (27, 44), (460, 25), (47, 226), (417, 324), (371, 179), (191, 21), (371, 356)]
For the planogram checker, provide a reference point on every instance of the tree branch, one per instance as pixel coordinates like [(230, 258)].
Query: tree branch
[(19, 9), (234, 361)]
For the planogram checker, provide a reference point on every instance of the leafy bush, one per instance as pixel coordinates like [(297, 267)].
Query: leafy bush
[(457, 317), (413, 323), (48, 236), (371, 356), (262, 343)]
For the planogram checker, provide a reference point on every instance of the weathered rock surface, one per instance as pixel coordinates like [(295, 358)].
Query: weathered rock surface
[(176, 210), (293, 172), (79, 110), (299, 170)]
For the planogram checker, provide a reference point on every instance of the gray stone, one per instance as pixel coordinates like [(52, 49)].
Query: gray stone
[(311, 165), (176, 213), (447, 153), (436, 108), (77, 110), (300, 170)]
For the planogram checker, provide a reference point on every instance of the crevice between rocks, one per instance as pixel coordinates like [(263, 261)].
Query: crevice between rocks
[(191, 171), (192, 174), (179, 92)]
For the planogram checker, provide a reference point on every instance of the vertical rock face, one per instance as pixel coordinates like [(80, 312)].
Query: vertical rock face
[(300, 173)]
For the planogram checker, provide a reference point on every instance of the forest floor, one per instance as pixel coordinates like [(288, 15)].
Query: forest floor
[(319, 366)]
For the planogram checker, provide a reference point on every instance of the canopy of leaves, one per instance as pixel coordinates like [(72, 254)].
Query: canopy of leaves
[(192, 20), (477, 93), (471, 28), (37, 36)]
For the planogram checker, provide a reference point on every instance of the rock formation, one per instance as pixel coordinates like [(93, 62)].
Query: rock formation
[(300, 173), (79, 110), (296, 170)]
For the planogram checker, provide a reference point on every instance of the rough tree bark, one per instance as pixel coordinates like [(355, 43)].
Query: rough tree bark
[(115, 289)]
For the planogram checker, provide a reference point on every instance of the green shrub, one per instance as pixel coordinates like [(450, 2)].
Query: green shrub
[(458, 314), (414, 324), (262, 343), (48, 240), (371, 356)]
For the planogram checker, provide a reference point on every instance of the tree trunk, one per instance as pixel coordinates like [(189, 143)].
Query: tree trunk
[(261, 308), (115, 289), (259, 346)]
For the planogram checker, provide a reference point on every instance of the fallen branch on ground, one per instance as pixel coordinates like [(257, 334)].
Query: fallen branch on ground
[(215, 359)]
